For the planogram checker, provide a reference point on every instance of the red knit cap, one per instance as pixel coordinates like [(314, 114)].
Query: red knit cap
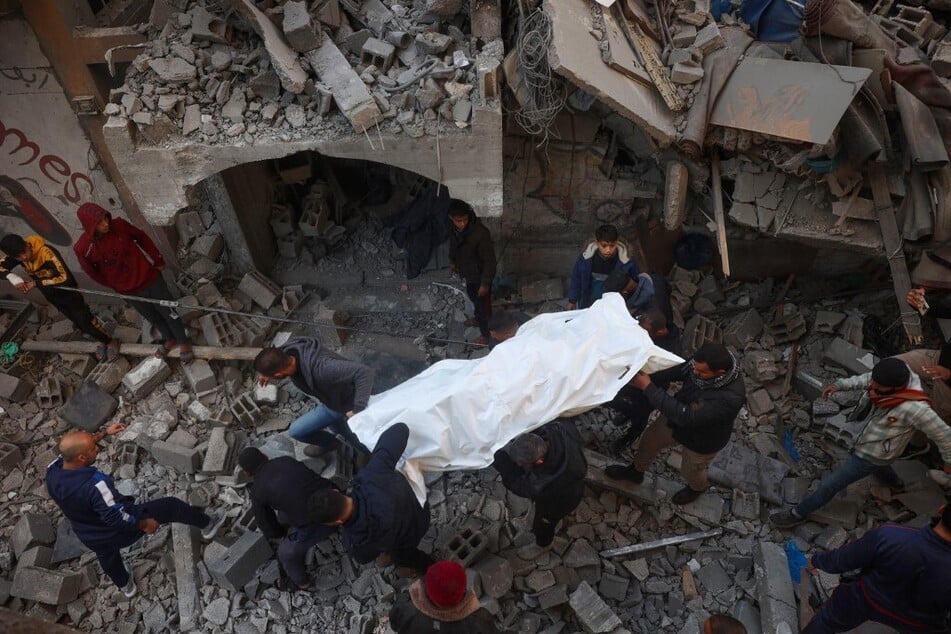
[(446, 583)]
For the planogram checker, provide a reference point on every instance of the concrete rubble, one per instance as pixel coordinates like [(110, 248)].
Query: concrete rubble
[(186, 426)]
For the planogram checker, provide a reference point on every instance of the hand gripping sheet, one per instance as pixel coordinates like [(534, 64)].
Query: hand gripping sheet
[(460, 412)]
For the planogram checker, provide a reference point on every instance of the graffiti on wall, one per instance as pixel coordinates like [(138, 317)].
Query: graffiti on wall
[(44, 169)]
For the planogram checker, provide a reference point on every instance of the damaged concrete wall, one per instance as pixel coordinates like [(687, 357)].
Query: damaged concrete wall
[(47, 165), (248, 186)]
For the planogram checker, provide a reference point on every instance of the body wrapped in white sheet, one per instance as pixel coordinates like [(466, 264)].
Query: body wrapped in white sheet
[(460, 412)]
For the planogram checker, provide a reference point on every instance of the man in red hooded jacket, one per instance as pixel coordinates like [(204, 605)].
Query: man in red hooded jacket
[(118, 255)]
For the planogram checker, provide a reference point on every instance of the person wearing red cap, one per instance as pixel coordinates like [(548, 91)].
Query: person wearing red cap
[(122, 257), (441, 603)]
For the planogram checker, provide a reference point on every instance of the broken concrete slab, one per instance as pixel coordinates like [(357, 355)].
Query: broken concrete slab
[(774, 588), (32, 529), (644, 493), (67, 545), (146, 376), (595, 616), (89, 408), (739, 467), (185, 554), (236, 564), (848, 356), (352, 96), (299, 29), (45, 586), (284, 59)]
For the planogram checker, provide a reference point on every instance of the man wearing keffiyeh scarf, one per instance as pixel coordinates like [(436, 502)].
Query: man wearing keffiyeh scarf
[(699, 416), (893, 408)]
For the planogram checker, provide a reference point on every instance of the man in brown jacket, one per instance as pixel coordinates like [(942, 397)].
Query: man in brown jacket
[(472, 256), (441, 603)]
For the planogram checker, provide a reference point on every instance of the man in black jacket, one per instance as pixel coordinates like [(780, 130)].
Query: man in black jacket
[(933, 367), (699, 417), (547, 466), (342, 387), (380, 514), (282, 485), (905, 576), (472, 256)]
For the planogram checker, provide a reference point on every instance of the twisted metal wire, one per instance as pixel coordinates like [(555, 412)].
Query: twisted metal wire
[(546, 92)]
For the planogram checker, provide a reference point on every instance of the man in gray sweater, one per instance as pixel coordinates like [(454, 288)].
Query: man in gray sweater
[(342, 387)]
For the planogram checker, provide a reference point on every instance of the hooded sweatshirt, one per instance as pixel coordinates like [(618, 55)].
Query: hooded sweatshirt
[(45, 265), (125, 259), (472, 253), (88, 498), (579, 290), (340, 384), (415, 613)]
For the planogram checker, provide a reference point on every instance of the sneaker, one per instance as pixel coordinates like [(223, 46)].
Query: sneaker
[(785, 519), (939, 476), (685, 495), (129, 589), (621, 472), (217, 521)]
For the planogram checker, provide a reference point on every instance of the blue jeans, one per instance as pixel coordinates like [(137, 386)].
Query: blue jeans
[(852, 470), (310, 427)]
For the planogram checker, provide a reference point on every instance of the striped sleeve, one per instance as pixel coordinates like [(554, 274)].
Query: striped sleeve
[(857, 382), (51, 260), (110, 511), (927, 421)]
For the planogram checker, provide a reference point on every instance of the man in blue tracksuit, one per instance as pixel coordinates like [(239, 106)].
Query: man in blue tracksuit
[(379, 514), (102, 518), (905, 579)]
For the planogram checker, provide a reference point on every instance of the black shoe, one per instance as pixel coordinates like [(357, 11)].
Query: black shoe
[(685, 495), (912, 451), (621, 472), (785, 519)]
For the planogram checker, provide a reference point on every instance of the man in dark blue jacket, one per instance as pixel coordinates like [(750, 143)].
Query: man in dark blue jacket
[(905, 579), (342, 386), (102, 518), (282, 485), (380, 514)]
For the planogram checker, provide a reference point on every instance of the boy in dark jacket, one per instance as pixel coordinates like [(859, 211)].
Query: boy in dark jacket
[(472, 256), (441, 604), (342, 386), (380, 514), (601, 256), (699, 417), (547, 466), (102, 518), (123, 257), (904, 583), (281, 485), (51, 276)]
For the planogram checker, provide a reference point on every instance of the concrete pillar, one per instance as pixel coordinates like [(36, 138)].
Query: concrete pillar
[(231, 230)]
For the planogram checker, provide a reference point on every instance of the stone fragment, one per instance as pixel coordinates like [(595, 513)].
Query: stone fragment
[(266, 85), (234, 109), (31, 529), (592, 612), (432, 42), (67, 545), (299, 29), (10, 457), (760, 366), (686, 73), (45, 586), (146, 376), (685, 36), (14, 388), (444, 8), (185, 554), (709, 39), (208, 27), (217, 611), (182, 459), (351, 95), (743, 329), (284, 59), (613, 587), (495, 574), (552, 288), (236, 564), (192, 120), (745, 504), (714, 578), (760, 402), (850, 357), (173, 70), (774, 587), (220, 455), (200, 376)]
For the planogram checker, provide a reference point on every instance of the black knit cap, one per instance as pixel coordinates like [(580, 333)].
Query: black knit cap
[(251, 459), (12, 244), (891, 372)]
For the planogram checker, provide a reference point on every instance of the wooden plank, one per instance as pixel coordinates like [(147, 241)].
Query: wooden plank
[(719, 215), (891, 236), (141, 350), (657, 71)]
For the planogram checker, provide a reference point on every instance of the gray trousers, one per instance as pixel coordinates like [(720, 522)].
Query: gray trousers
[(292, 551)]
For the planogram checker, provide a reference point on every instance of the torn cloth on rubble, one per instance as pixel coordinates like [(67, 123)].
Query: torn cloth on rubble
[(460, 412)]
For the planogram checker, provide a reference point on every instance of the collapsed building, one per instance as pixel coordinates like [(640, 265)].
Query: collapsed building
[(273, 146)]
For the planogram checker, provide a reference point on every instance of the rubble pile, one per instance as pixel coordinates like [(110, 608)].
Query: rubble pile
[(186, 426), (230, 72)]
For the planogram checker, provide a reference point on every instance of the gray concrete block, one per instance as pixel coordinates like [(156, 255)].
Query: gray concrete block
[(760, 366), (644, 493), (468, 546), (185, 554), (146, 376), (613, 586), (714, 578), (495, 574), (45, 586), (743, 329), (10, 457), (31, 529), (200, 376), (377, 52), (183, 459), (67, 545), (592, 612), (299, 29), (89, 408), (209, 245), (236, 566), (14, 388), (50, 392), (852, 358), (78, 364), (739, 467), (759, 402), (38, 556), (774, 588), (108, 375), (260, 289), (220, 455), (745, 504)]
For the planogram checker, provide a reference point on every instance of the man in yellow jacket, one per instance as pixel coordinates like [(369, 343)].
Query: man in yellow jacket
[(50, 275)]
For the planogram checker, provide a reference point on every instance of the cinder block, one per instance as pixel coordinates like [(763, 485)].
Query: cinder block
[(592, 612), (496, 575), (208, 245), (299, 29), (220, 330), (200, 376), (245, 410), (543, 290), (743, 329), (852, 358), (788, 328), (183, 459), (188, 308), (38, 556), (108, 376), (745, 504), (219, 457), (774, 587), (809, 386), (246, 522), (79, 364), (377, 52), (941, 60), (468, 546), (698, 331), (89, 408), (760, 366), (49, 392), (15, 389), (10, 457), (265, 394), (146, 376), (487, 70), (32, 529), (236, 566), (46, 586), (128, 454), (259, 288)]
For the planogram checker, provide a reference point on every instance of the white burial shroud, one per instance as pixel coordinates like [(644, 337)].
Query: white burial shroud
[(460, 412)]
